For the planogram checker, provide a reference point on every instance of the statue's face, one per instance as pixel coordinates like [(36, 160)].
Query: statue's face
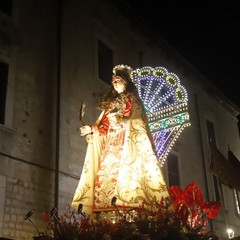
[(119, 84)]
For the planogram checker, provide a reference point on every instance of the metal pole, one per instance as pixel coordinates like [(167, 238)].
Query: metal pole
[(202, 153), (58, 100)]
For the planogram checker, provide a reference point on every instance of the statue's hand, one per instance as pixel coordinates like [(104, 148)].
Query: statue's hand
[(85, 130)]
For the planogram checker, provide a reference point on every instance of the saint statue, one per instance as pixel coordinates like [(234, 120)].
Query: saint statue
[(120, 159)]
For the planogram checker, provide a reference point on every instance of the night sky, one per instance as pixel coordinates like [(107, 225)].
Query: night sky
[(206, 33)]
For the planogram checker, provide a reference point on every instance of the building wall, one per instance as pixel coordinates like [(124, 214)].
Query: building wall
[(27, 144), (55, 47)]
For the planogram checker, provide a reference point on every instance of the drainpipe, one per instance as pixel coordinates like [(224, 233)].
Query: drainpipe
[(58, 100), (202, 153)]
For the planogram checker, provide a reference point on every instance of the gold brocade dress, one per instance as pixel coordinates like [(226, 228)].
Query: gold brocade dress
[(120, 162)]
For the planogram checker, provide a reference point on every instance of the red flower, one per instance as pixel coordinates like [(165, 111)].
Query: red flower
[(176, 195), (190, 207), (211, 208), (45, 216), (183, 212), (193, 195)]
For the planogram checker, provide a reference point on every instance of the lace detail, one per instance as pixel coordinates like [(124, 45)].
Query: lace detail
[(118, 104)]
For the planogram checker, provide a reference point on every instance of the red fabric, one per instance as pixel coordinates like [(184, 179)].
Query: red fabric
[(104, 123), (128, 108)]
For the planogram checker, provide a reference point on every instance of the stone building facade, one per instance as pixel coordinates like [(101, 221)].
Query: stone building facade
[(51, 54)]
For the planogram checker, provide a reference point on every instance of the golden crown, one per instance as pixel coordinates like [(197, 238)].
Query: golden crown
[(122, 67)]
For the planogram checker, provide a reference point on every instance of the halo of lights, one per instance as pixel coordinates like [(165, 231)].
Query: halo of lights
[(165, 101)]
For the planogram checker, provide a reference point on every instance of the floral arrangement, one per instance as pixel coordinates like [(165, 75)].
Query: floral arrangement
[(182, 216), (191, 209)]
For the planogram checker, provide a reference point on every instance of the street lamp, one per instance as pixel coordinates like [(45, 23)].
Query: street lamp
[(230, 233)]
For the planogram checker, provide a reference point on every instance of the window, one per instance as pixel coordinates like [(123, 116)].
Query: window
[(211, 132), (6, 6), (237, 200), (105, 62), (3, 89), (212, 138), (238, 118), (216, 188), (173, 171)]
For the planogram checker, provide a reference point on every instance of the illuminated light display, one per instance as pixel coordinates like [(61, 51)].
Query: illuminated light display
[(165, 101)]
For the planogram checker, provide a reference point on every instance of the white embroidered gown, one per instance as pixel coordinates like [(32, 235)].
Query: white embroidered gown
[(120, 162)]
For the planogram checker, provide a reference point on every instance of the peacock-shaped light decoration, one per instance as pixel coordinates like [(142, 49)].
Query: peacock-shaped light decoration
[(166, 105)]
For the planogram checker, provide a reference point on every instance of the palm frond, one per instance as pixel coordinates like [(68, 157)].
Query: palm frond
[(82, 112)]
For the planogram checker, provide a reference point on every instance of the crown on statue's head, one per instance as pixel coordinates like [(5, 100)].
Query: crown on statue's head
[(123, 71), (122, 67)]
